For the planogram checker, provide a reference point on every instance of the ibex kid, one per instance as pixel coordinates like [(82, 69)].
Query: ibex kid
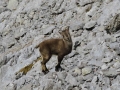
[(60, 47)]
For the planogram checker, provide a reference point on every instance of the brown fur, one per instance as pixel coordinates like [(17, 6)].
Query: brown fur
[(60, 47)]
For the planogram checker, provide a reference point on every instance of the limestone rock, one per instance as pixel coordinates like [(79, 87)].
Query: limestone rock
[(26, 87), (12, 4), (47, 29), (2, 49), (90, 25), (85, 2), (77, 71), (106, 60), (110, 73), (86, 70), (10, 41), (3, 61), (88, 77), (70, 79), (76, 88), (117, 64), (62, 75), (94, 80), (104, 67), (76, 25), (95, 62), (81, 64), (19, 33)]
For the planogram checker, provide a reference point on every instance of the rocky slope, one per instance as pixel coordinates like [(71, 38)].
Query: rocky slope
[(94, 63)]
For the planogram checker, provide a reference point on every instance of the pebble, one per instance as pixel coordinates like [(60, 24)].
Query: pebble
[(86, 70)]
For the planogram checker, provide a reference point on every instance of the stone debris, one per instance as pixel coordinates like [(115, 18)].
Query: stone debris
[(93, 64)]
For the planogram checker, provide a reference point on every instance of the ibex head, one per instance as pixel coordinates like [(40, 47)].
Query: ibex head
[(66, 34)]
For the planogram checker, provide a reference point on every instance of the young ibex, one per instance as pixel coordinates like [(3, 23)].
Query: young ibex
[(60, 47)]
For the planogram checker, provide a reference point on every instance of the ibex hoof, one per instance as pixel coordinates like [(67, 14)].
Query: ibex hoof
[(45, 72), (58, 69)]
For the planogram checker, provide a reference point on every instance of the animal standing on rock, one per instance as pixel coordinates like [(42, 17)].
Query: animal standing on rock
[(60, 47)]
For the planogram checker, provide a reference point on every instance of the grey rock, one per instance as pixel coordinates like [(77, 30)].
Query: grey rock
[(11, 86), (76, 25), (72, 54), (115, 85), (95, 87), (3, 61), (80, 79), (57, 87), (48, 29), (67, 17), (3, 72), (86, 70), (106, 82), (2, 49), (76, 88), (88, 77), (77, 71), (19, 19), (78, 33), (93, 9), (113, 39), (103, 19), (9, 41), (108, 1), (97, 52), (71, 80), (106, 60), (117, 78), (12, 4), (104, 67), (108, 89), (90, 25), (94, 80), (81, 64), (85, 2), (2, 9), (62, 75), (31, 14), (19, 33), (69, 87), (116, 65), (27, 23), (26, 87), (95, 62), (110, 73), (48, 84)]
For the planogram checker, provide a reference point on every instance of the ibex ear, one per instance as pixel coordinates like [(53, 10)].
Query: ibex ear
[(67, 28), (60, 32)]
